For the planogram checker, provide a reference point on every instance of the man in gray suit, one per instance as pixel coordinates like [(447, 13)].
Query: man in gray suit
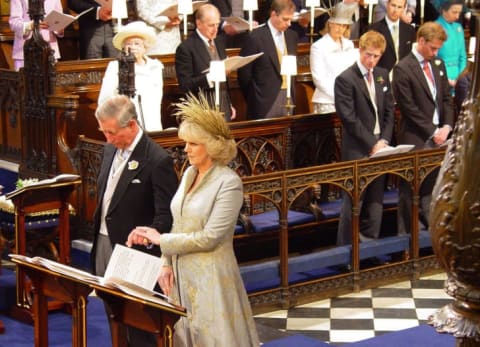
[(135, 185), (364, 104), (422, 92)]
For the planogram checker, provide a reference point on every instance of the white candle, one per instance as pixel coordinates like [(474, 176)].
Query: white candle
[(217, 74), (312, 4), (471, 45), (250, 6), (185, 8), (289, 69), (422, 9), (119, 11)]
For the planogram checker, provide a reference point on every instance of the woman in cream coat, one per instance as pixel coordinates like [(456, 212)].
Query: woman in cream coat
[(330, 56), (200, 270), (138, 38)]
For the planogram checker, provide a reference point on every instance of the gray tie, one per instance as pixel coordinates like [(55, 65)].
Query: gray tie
[(118, 160), (280, 44), (395, 38)]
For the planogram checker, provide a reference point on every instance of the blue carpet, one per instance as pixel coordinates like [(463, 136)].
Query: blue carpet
[(421, 336), (59, 334), (297, 341)]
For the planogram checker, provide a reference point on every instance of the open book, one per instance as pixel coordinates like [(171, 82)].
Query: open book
[(307, 13), (58, 21), (389, 150), (238, 23), (236, 62), (130, 271), (172, 10)]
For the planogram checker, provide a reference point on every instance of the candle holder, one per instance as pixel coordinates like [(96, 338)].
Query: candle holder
[(289, 69), (312, 4), (217, 75), (250, 6), (119, 11), (185, 8)]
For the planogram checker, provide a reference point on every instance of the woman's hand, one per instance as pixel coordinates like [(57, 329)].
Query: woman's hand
[(143, 236), (166, 280)]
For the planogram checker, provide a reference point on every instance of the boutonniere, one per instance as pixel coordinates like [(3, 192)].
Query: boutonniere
[(380, 80), (132, 165), (437, 62)]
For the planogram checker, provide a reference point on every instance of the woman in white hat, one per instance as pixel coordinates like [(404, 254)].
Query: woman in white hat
[(137, 37), (331, 55)]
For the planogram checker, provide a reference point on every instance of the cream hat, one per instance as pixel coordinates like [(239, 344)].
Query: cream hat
[(342, 13), (137, 29)]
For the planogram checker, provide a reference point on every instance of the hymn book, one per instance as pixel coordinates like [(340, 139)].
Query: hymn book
[(130, 271), (389, 150), (172, 11), (57, 21)]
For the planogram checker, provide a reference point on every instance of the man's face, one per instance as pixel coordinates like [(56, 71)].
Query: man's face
[(428, 49), (395, 9), (370, 56), (120, 137), (208, 25), (282, 20)]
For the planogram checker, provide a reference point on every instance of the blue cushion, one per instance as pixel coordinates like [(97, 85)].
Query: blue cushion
[(390, 198), (239, 229), (321, 259), (331, 209), (269, 221), (384, 245), (424, 239), (261, 276)]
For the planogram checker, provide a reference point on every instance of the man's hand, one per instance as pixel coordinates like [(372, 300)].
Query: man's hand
[(104, 14), (441, 135), (174, 21), (379, 145), (229, 29)]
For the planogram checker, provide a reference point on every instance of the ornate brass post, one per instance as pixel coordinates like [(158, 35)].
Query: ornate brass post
[(455, 218)]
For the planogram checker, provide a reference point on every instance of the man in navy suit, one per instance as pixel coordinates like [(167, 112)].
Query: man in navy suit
[(135, 185), (422, 92), (193, 57), (399, 35), (364, 104), (261, 82)]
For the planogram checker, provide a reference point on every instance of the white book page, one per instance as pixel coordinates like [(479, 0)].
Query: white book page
[(139, 268)]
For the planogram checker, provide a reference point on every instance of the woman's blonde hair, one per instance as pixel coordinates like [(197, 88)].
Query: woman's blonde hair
[(200, 123)]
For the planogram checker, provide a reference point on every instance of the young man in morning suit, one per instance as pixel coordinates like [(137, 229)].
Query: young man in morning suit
[(399, 35), (261, 82), (193, 57), (135, 185), (364, 104), (426, 109)]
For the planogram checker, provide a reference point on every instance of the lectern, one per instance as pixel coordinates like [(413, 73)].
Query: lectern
[(43, 196)]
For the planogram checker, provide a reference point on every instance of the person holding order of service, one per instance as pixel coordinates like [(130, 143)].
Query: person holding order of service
[(200, 271), (137, 37)]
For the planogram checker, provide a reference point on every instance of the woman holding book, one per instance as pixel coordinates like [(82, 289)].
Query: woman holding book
[(22, 27), (200, 271), (137, 38)]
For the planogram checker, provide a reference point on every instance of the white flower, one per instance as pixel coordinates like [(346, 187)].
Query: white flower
[(132, 165), (437, 62)]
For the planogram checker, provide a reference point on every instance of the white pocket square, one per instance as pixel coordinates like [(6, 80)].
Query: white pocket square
[(136, 180), (385, 89)]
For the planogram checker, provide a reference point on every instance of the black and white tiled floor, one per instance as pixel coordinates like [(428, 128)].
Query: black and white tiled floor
[(361, 315)]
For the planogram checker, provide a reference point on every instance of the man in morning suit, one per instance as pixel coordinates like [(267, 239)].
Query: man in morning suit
[(399, 35), (261, 82), (422, 92), (193, 57), (96, 29), (364, 104), (135, 185)]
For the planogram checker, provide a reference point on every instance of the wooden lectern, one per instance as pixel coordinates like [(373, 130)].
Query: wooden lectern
[(50, 195), (71, 286)]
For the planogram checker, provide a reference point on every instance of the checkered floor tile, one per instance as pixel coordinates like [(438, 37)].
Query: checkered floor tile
[(362, 315)]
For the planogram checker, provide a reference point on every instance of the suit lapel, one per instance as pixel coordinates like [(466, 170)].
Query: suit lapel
[(418, 73), (388, 35), (362, 84), (271, 48), (378, 81), (128, 174), (201, 49), (108, 154)]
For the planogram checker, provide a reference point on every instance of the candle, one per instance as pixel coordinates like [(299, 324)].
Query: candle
[(119, 11), (312, 4), (217, 74), (471, 45), (370, 4), (422, 10), (288, 69), (250, 6), (185, 8)]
